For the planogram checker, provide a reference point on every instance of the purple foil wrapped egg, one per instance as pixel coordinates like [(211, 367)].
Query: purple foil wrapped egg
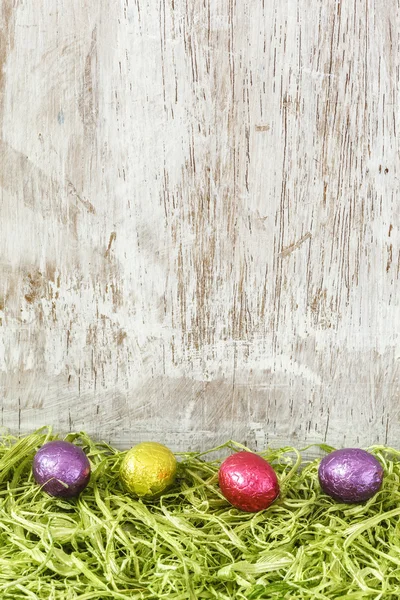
[(350, 475), (61, 468)]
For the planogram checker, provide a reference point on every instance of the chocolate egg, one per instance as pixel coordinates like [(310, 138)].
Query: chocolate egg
[(61, 468), (248, 481), (148, 469), (350, 475)]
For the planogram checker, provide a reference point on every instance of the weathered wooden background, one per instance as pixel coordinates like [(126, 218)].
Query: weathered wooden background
[(200, 213)]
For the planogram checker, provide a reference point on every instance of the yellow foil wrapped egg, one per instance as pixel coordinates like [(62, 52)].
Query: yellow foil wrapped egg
[(148, 469)]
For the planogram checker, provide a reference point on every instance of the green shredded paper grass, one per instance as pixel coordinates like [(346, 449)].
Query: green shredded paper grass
[(190, 543)]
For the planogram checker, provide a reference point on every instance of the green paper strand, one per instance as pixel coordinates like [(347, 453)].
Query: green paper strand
[(189, 543)]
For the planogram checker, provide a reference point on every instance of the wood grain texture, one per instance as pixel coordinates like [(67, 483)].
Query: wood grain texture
[(200, 220)]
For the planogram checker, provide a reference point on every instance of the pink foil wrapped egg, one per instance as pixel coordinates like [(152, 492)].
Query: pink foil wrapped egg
[(248, 481)]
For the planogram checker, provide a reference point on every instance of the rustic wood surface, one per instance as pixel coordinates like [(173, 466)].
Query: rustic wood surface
[(200, 220)]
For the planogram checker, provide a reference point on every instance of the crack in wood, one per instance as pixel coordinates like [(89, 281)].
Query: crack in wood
[(286, 251)]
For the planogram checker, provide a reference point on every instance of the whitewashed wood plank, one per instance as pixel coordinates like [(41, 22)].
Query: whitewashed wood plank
[(199, 220)]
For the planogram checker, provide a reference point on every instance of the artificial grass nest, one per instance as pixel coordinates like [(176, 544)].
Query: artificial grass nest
[(190, 543)]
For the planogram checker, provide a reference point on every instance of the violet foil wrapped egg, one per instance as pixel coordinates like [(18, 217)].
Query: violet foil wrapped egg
[(61, 468), (350, 475), (248, 481)]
